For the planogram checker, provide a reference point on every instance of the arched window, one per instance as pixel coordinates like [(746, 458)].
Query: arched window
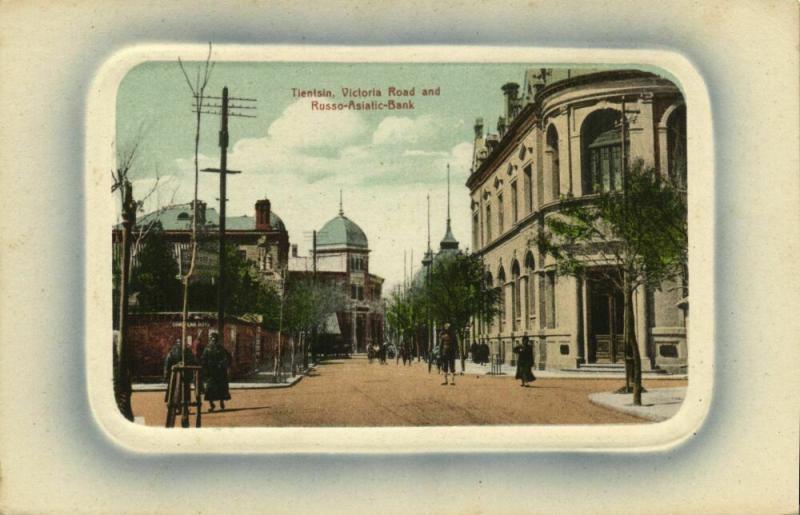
[(676, 145), (501, 283), (516, 308), (489, 284), (529, 291), (488, 223), (552, 159), (601, 151), (183, 215)]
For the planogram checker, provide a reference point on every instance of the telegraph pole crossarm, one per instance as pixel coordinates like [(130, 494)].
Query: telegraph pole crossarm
[(225, 110)]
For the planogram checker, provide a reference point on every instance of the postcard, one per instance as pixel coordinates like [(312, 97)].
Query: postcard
[(339, 245), (352, 259)]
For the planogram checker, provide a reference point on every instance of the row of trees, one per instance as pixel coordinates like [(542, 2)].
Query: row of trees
[(454, 292), (636, 237)]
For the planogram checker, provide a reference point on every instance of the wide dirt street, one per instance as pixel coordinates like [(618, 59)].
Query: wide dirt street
[(353, 392)]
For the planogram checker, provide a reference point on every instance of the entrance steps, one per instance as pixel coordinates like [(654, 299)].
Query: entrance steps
[(613, 369)]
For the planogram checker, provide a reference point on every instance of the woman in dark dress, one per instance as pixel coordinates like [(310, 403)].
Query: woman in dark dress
[(215, 361), (524, 353)]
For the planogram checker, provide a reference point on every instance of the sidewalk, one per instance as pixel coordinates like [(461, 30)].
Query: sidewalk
[(259, 380), (658, 404), (508, 370)]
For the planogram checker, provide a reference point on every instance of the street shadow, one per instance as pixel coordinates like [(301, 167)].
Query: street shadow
[(233, 410)]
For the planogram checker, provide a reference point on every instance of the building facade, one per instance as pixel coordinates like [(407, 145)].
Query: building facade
[(261, 238), (341, 257), (559, 139)]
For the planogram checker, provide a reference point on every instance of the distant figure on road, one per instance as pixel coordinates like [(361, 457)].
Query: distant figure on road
[(524, 353), (435, 357), (215, 361), (382, 353), (406, 351), (448, 354)]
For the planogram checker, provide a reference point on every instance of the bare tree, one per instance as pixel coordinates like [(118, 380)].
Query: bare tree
[(197, 87), (121, 183)]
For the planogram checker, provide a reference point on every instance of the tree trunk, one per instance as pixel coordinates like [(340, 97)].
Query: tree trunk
[(461, 350), (123, 369), (633, 361)]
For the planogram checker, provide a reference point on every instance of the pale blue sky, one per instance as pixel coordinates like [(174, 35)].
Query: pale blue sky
[(385, 161)]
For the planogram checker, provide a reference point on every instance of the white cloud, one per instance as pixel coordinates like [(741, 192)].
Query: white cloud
[(303, 161), (300, 126), (400, 130)]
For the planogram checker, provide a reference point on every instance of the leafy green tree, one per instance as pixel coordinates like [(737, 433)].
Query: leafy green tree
[(635, 237), (457, 293), (307, 305), (405, 313), (154, 279)]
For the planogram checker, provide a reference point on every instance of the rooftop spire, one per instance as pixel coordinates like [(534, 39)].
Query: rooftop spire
[(428, 197), (448, 195), (341, 208), (449, 241), (428, 257)]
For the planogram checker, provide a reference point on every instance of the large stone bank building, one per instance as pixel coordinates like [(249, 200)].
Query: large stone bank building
[(563, 138)]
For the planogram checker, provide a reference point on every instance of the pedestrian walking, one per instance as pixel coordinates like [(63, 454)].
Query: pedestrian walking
[(447, 347), (215, 362), (524, 353), (382, 353)]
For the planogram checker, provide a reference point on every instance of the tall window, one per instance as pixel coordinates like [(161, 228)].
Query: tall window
[(676, 145), (488, 223), (601, 142), (547, 300), (514, 206), (552, 156), (501, 283), (475, 230), (550, 280), (500, 213), (516, 309), (528, 190), (530, 314)]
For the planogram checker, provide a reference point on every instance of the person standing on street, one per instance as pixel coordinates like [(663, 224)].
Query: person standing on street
[(524, 353), (215, 362), (447, 348)]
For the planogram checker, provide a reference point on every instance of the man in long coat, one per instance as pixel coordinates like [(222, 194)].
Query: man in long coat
[(447, 347), (524, 353), (215, 362)]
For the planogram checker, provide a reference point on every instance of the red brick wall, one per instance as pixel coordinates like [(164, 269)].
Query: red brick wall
[(152, 336)]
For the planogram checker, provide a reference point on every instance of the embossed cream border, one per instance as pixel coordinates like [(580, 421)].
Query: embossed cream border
[(100, 131)]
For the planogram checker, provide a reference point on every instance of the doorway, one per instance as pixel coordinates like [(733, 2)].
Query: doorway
[(605, 318)]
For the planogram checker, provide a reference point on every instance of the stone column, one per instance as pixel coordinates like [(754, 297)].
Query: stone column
[(578, 324), (585, 315)]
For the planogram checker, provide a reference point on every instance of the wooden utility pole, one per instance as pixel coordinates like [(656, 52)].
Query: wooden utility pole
[(224, 112)]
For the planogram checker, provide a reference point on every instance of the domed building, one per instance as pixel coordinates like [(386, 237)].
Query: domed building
[(564, 137), (341, 255)]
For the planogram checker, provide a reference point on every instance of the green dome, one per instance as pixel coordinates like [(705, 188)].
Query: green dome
[(341, 232)]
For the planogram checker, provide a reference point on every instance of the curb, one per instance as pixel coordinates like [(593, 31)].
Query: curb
[(629, 409), (162, 387)]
